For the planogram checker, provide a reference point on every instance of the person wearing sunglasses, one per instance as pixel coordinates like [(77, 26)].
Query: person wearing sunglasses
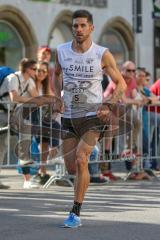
[(44, 54), (47, 145), (147, 80), (131, 99), (128, 71), (20, 89)]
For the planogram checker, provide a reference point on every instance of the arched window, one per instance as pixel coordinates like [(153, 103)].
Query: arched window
[(113, 40), (56, 38), (11, 45), (60, 34)]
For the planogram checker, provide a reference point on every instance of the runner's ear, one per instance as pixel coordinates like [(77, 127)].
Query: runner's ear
[(92, 28)]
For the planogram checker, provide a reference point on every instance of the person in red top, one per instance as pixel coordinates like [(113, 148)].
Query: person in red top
[(155, 89), (44, 54), (107, 94)]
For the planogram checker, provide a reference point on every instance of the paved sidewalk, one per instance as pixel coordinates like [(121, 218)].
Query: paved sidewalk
[(13, 179), (120, 210)]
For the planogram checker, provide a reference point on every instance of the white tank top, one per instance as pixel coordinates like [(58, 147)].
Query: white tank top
[(82, 76)]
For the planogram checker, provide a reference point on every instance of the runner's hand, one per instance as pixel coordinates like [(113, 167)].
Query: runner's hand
[(104, 113)]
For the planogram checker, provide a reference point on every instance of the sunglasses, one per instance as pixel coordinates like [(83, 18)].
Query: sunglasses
[(131, 70), (34, 69), (42, 70)]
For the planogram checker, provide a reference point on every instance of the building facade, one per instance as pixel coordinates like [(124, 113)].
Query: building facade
[(27, 24)]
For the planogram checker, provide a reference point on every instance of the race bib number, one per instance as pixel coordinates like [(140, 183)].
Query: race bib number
[(79, 99)]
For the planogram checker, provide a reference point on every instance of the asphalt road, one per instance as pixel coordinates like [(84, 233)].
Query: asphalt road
[(123, 210)]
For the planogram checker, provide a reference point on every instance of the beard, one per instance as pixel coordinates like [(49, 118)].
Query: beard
[(80, 39)]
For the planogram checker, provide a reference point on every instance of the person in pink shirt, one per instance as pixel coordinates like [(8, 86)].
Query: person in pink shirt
[(109, 90), (155, 89), (128, 73), (106, 166)]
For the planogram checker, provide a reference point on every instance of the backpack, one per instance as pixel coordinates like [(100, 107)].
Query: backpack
[(4, 72)]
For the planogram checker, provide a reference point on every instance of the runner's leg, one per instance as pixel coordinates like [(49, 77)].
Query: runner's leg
[(83, 152)]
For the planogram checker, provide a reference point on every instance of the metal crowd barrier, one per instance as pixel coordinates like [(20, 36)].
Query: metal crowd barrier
[(144, 145), (145, 148)]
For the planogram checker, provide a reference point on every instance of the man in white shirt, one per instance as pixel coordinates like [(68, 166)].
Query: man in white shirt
[(81, 63), (20, 88)]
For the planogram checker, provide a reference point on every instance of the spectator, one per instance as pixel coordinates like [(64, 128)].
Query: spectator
[(147, 80), (148, 120), (94, 169), (44, 55), (43, 88), (21, 88), (144, 92), (129, 98), (155, 89), (108, 90), (137, 173), (3, 140), (3, 134)]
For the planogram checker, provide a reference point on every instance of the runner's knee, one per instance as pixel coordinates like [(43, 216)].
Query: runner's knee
[(70, 166), (82, 160)]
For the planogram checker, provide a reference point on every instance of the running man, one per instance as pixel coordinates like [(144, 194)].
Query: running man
[(80, 64)]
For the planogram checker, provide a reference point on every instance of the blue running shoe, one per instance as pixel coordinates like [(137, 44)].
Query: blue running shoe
[(72, 221)]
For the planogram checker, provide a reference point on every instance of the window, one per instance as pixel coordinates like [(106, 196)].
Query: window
[(113, 40), (157, 51), (11, 45), (61, 34)]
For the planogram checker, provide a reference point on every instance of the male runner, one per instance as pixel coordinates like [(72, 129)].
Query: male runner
[(81, 64)]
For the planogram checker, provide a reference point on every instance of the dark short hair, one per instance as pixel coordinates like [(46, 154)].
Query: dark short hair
[(26, 63), (148, 74), (141, 68), (83, 14)]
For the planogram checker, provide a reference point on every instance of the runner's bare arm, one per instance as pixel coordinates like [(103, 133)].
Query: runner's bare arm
[(110, 68), (58, 78), (58, 84)]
